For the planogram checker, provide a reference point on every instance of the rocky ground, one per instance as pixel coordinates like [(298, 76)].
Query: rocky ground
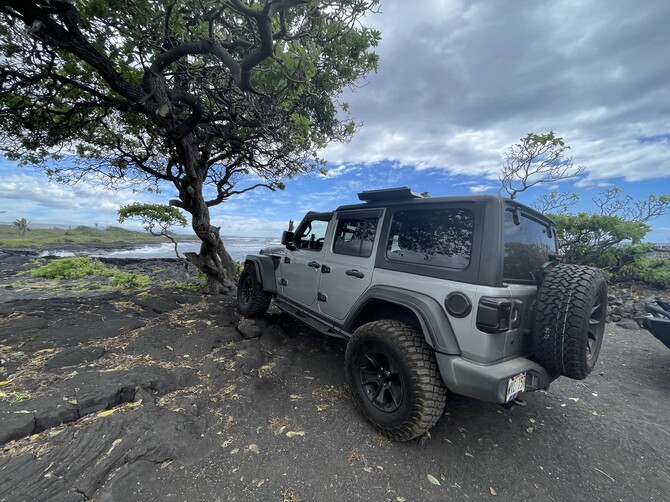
[(166, 394)]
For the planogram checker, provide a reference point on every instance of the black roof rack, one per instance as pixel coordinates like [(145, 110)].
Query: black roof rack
[(388, 194)]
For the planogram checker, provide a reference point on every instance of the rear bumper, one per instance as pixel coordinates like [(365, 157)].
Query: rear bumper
[(489, 382)]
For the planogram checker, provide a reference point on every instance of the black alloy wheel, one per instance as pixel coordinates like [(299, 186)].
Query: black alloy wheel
[(381, 381)]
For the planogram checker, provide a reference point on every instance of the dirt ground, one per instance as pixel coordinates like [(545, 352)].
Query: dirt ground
[(156, 395)]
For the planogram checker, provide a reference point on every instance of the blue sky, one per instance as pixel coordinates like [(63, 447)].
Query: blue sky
[(458, 83)]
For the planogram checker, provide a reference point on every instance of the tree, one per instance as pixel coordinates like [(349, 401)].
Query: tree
[(22, 225), (212, 97), (585, 238), (610, 238), (536, 159), (157, 219), (555, 202), (612, 202)]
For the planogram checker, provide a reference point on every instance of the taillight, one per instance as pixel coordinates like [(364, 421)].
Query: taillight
[(493, 315)]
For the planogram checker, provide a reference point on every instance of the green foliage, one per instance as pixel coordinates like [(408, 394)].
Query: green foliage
[(613, 245), (129, 280), (239, 266), (71, 268), (80, 267), (157, 219), (652, 271), (584, 238)]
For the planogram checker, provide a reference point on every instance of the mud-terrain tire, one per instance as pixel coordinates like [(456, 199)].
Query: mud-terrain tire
[(252, 301), (394, 379), (569, 320)]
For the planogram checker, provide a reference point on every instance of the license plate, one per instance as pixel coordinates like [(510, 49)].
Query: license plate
[(515, 385)]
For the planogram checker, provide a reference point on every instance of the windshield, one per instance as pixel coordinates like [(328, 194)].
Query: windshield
[(528, 245)]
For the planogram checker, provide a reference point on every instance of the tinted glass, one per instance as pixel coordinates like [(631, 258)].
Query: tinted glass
[(439, 237), (527, 246), (355, 236)]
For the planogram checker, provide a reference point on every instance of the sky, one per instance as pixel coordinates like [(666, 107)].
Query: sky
[(458, 83)]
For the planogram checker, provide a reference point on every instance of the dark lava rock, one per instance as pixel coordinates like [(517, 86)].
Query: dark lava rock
[(81, 459), (74, 356), (64, 322), (159, 343), (252, 328), (16, 425), (167, 301), (249, 356), (88, 393)]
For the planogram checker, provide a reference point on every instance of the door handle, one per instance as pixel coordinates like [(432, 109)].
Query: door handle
[(355, 273), (314, 264)]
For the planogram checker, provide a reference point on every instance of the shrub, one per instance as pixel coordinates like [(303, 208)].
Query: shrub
[(128, 280), (80, 267), (72, 268), (652, 271)]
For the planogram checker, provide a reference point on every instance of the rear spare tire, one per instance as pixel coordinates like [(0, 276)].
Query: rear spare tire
[(569, 321), (394, 379), (252, 301)]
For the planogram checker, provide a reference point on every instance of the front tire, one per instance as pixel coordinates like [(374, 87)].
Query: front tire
[(394, 379), (252, 301)]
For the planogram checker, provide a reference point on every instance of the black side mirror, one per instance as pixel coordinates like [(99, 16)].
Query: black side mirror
[(287, 238)]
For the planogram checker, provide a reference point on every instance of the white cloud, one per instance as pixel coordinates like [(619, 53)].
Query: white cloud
[(50, 202), (340, 170), (460, 81), (481, 188)]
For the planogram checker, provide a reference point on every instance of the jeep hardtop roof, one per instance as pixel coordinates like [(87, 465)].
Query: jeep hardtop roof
[(403, 195)]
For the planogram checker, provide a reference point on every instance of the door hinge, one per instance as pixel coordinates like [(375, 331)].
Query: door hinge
[(287, 259), (283, 282), (322, 298)]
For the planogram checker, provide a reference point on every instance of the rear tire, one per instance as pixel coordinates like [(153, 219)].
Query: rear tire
[(569, 322), (252, 301), (394, 379)]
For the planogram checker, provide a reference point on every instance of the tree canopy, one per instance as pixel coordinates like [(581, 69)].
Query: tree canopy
[(157, 219), (215, 97)]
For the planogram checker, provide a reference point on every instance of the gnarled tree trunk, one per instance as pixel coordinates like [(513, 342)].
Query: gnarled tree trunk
[(213, 259)]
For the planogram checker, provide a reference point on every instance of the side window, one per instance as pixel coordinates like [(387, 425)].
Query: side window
[(355, 236), (310, 235), (439, 237)]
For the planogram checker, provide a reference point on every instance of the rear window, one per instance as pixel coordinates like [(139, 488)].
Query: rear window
[(439, 237), (527, 246)]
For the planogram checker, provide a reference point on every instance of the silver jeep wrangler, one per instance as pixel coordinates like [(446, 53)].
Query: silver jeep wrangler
[(434, 293)]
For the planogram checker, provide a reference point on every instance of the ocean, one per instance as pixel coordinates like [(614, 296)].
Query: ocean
[(237, 247)]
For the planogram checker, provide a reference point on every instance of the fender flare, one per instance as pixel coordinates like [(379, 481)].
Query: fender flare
[(433, 319), (265, 271)]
